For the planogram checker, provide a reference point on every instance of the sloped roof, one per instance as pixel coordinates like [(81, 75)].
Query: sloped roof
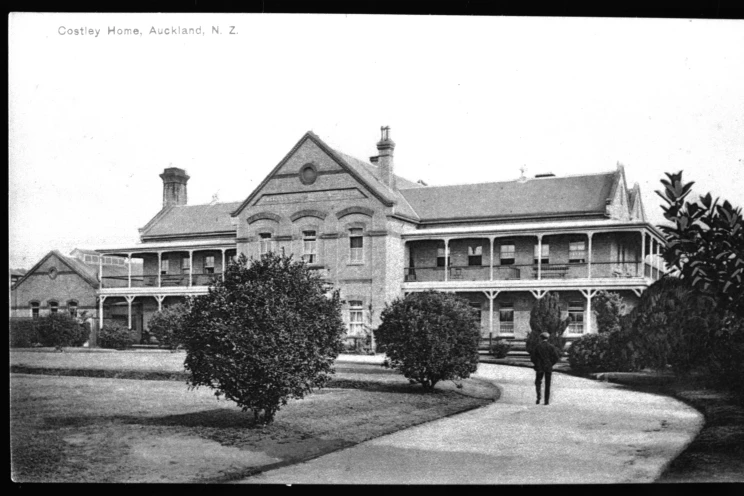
[(191, 219), (544, 197), (364, 172), (87, 272)]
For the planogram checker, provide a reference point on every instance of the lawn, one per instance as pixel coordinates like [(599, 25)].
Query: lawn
[(83, 429)]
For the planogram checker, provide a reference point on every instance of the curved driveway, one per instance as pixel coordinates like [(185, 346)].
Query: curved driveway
[(592, 432)]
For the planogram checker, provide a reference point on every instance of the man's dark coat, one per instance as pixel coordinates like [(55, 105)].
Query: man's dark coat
[(544, 356)]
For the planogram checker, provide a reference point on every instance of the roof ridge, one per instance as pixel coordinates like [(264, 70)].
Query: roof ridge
[(514, 180), (209, 204)]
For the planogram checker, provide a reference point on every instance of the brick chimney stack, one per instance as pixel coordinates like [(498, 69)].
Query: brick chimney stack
[(385, 148), (174, 186)]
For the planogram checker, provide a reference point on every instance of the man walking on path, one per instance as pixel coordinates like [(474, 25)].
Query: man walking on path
[(544, 356)]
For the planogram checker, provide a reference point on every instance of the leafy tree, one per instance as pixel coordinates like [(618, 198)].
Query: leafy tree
[(546, 317), (705, 243), (430, 337), (165, 324), (267, 333), (59, 329), (609, 308)]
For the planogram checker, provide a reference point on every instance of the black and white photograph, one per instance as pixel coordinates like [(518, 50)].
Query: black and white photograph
[(383, 249)]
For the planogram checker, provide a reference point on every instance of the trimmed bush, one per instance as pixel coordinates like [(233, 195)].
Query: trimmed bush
[(430, 337), (674, 325), (500, 348), (590, 353), (267, 333), (115, 336), (546, 317), (165, 324), (59, 329), (23, 333)]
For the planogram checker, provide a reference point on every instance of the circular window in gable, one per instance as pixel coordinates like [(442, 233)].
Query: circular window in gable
[(53, 272), (308, 174)]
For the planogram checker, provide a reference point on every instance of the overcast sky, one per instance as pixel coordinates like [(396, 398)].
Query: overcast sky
[(94, 119)]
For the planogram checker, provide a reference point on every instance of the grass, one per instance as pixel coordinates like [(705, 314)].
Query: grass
[(86, 429)]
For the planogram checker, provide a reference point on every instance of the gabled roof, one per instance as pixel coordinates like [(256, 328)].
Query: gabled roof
[(367, 174), (534, 198), (191, 220), (87, 272)]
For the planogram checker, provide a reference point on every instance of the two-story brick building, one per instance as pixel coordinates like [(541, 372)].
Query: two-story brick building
[(376, 236)]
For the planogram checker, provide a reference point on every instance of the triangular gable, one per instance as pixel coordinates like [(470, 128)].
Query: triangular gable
[(158, 216), (68, 262), (636, 203), (359, 176), (617, 202)]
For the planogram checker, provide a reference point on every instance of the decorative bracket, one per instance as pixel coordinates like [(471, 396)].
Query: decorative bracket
[(538, 293)]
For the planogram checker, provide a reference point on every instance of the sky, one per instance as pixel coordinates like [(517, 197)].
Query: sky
[(95, 118)]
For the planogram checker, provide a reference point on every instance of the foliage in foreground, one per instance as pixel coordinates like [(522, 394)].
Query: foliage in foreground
[(430, 337), (165, 324), (267, 333), (705, 243), (546, 317), (115, 336), (56, 330), (609, 308)]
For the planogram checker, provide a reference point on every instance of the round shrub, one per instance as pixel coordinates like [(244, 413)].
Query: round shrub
[(165, 324), (429, 337), (500, 348), (589, 353), (59, 329), (115, 336), (267, 333)]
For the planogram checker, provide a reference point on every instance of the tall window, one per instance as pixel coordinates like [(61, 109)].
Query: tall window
[(356, 318), (507, 254), (575, 317), (506, 318), (209, 264), (34, 309), (545, 258), (440, 257), (72, 307), (53, 307), (475, 255), (185, 265), (356, 246), (164, 266), (309, 247), (577, 252), (264, 243)]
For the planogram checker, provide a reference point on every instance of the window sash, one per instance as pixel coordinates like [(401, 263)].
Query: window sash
[(577, 252), (356, 246), (545, 258), (53, 307), (356, 318), (185, 264), (35, 310), (576, 318), (164, 266), (265, 244), (309, 246), (506, 254)]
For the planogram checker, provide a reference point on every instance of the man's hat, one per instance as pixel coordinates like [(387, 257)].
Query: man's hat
[(545, 335)]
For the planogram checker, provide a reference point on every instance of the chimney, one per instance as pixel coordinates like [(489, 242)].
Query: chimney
[(174, 186), (385, 148)]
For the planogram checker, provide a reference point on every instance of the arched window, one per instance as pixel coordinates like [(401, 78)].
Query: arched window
[(53, 306), (72, 307), (34, 309)]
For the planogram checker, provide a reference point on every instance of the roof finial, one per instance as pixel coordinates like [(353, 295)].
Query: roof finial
[(523, 178)]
